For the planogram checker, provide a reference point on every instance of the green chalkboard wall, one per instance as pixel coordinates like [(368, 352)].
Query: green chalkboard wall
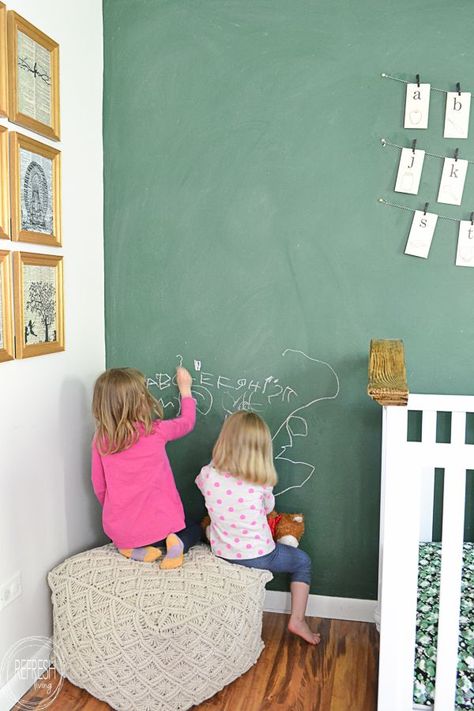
[(242, 233)]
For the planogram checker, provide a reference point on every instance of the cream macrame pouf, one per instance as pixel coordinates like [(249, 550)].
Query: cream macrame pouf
[(144, 639)]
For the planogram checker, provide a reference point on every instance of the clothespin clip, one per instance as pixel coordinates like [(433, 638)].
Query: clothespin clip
[(418, 80), (456, 153), (413, 145), (472, 219), (458, 87), (426, 207)]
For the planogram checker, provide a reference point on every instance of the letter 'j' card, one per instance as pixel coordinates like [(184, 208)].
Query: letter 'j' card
[(409, 171), (456, 121), (465, 251), (452, 181), (421, 234), (417, 106)]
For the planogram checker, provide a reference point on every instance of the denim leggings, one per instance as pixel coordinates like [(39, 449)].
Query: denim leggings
[(284, 559), (190, 535)]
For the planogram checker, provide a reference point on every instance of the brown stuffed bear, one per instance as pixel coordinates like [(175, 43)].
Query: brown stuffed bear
[(286, 528)]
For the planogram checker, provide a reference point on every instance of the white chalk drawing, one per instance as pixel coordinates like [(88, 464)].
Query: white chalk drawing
[(244, 393)]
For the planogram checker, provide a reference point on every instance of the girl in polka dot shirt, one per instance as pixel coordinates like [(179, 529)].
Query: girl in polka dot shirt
[(238, 488)]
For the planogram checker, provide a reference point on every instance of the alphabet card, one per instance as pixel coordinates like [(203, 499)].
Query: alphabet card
[(421, 234), (452, 181), (456, 122), (465, 252), (417, 105), (409, 171)]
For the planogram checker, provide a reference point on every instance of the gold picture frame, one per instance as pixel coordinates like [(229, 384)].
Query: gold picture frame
[(4, 194), (6, 322), (39, 304), (33, 77), (3, 61), (35, 190)]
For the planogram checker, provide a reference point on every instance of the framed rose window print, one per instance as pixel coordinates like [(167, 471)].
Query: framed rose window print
[(35, 188), (33, 77), (39, 310), (4, 192), (6, 323), (3, 61)]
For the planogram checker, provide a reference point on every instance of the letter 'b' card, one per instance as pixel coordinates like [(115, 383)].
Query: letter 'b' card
[(417, 106), (456, 122), (421, 234)]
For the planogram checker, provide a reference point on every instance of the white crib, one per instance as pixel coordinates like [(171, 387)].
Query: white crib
[(406, 518)]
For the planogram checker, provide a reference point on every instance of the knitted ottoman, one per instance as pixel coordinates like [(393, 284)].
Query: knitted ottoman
[(145, 639)]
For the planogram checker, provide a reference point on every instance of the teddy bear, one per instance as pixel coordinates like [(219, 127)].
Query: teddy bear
[(285, 527)]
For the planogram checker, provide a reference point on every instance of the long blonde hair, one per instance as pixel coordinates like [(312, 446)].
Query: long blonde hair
[(244, 449), (120, 403)]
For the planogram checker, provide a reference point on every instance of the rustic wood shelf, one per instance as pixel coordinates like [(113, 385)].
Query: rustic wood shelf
[(387, 374)]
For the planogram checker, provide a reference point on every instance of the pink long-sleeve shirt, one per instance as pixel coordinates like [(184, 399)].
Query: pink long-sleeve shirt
[(136, 487)]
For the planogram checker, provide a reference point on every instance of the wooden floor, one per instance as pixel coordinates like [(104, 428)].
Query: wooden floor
[(339, 675)]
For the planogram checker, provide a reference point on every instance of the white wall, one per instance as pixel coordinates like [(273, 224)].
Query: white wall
[(47, 509)]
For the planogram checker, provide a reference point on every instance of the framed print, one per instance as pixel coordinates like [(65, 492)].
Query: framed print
[(35, 185), (3, 61), (6, 325), (39, 310), (33, 77), (4, 192)]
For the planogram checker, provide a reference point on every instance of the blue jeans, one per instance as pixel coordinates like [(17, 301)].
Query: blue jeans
[(284, 559), (189, 536)]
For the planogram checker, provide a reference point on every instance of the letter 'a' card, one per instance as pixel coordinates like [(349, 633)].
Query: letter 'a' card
[(452, 181), (465, 251), (409, 171), (456, 121), (421, 234), (417, 106)]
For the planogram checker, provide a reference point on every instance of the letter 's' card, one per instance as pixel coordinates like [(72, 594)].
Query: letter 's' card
[(456, 121), (421, 234), (409, 171), (453, 177), (417, 106)]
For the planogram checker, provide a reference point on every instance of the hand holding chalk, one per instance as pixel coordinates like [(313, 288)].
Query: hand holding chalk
[(184, 381)]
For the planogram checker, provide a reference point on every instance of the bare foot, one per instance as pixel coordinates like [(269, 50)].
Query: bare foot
[(300, 627)]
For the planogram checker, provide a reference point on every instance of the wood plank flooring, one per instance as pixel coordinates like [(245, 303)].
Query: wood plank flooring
[(338, 675)]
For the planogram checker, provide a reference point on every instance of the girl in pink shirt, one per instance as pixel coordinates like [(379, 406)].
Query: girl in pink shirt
[(131, 473), (237, 487)]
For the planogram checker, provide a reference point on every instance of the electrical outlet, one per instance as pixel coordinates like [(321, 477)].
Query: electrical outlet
[(10, 590)]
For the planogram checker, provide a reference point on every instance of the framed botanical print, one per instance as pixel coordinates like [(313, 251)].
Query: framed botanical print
[(35, 188), (39, 309), (4, 193), (33, 77), (3, 60), (6, 324)]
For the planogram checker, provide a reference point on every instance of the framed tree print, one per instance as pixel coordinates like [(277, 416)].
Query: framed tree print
[(6, 325), (4, 194), (3, 61), (33, 77), (35, 188), (39, 310)]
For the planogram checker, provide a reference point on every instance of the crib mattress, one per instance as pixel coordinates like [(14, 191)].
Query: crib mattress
[(427, 628)]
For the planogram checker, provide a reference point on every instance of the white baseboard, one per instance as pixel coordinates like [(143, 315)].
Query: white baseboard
[(335, 608), (19, 684)]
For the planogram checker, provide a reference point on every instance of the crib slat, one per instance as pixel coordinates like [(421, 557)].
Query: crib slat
[(458, 428), (427, 497), (450, 588), (428, 427)]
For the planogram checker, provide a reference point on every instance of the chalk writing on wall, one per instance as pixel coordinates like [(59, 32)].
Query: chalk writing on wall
[(229, 394)]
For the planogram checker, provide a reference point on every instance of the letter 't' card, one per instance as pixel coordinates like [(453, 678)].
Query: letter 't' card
[(452, 181), (409, 171), (465, 251), (456, 121), (417, 106), (421, 234)]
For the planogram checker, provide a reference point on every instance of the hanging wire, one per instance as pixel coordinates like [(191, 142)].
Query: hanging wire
[(404, 81), (411, 209), (386, 142)]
